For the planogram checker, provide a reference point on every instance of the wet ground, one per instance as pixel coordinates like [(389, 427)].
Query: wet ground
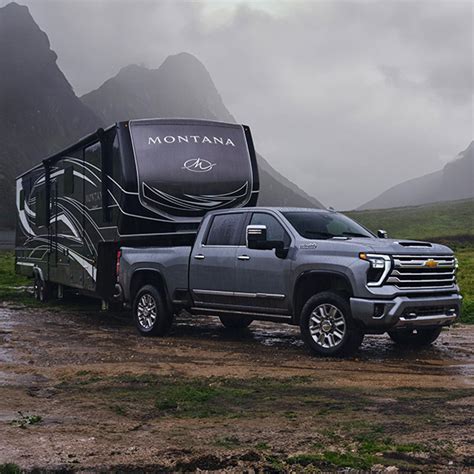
[(80, 390)]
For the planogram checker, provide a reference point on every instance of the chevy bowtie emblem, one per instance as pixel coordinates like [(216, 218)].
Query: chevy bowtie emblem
[(431, 263)]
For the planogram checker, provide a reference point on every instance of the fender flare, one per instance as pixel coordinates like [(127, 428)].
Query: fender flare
[(156, 272), (306, 273)]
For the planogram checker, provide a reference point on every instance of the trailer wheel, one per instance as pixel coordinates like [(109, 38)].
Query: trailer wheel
[(415, 337), (150, 313), (41, 289), (327, 327), (235, 322)]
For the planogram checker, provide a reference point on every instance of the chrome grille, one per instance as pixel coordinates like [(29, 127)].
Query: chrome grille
[(414, 271)]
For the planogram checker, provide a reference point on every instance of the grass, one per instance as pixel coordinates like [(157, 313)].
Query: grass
[(9, 468), (10, 282), (466, 282), (183, 398), (451, 221), (343, 427), (26, 420), (368, 446)]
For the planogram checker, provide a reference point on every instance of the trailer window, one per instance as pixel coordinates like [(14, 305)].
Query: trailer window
[(22, 200), (225, 229), (92, 192), (41, 210), (69, 180)]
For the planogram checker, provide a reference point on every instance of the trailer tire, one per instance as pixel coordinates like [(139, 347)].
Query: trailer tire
[(150, 312), (327, 327), (410, 338), (235, 322), (41, 289)]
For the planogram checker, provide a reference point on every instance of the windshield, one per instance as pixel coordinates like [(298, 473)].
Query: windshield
[(325, 225)]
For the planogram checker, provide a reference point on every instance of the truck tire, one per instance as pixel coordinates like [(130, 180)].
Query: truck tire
[(415, 337), (150, 313), (327, 327), (235, 322), (41, 289)]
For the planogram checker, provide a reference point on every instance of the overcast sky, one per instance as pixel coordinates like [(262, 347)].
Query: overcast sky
[(344, 98)]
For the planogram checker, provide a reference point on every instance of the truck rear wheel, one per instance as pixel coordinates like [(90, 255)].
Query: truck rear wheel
[(415, 337), (150, 313), (235, 322), (327, 327)]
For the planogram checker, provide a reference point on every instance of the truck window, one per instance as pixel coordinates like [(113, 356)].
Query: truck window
[(225, 229), (275, 230), (325, 225)]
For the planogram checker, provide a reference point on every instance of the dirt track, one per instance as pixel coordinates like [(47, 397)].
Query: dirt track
[(206, 398)]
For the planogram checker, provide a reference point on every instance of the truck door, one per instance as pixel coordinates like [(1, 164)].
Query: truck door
[(213, 261), (262, 278)]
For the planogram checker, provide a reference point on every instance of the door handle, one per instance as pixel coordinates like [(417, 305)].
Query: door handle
[(199, 256), (243, 257)]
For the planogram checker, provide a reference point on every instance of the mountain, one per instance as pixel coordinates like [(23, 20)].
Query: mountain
[(182, 87), (39, 112), (454, 182)]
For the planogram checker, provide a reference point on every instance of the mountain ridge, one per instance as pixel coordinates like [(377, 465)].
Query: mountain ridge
[(455, 181), (39, 110), (182, 87)]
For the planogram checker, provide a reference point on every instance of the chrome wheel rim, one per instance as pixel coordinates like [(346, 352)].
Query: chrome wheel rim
[(147, 311), (327, 326)]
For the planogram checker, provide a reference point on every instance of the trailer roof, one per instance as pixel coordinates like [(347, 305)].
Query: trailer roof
[(96, 135)]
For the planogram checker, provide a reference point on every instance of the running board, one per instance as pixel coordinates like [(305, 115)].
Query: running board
[(276, 318)]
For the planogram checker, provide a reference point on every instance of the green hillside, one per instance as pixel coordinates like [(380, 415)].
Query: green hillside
[(448, 221)]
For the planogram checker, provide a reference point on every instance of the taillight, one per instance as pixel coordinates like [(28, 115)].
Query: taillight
[(117, 264)]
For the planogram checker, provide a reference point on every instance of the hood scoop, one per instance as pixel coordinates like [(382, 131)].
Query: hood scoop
[(414, 244)]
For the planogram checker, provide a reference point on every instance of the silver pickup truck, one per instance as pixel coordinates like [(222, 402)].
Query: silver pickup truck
[(314, 268)]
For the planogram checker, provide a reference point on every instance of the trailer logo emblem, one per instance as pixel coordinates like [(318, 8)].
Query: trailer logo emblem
[(198, 165)]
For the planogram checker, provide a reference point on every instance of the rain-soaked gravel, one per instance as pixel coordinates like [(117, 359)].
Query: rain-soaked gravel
[(254, 400)]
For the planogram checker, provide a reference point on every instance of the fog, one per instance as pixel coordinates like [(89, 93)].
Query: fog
[(346, 99)]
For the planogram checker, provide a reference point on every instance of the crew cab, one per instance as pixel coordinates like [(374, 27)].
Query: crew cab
[(314, 268)]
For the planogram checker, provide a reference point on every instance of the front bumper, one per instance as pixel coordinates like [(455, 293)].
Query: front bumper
[(405, 311)]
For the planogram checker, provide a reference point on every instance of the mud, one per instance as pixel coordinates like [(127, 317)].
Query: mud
[(97, 387)]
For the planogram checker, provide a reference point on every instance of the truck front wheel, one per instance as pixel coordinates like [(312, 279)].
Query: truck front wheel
[(327, 327), (150, 313), (415, 337)]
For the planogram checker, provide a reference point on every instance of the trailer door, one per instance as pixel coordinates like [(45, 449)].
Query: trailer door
[(71, 219)]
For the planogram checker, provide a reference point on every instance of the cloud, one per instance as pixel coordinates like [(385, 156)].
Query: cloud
[(345, 98)]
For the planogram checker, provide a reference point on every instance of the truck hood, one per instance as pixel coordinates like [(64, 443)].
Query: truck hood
[(403, 247), (382, 246)]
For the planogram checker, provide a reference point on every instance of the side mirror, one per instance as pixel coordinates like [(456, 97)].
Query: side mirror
[(257, 239), (382, 234), (256, 236)]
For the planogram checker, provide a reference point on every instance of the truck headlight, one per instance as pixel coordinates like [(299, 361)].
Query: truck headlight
[(379, 267)]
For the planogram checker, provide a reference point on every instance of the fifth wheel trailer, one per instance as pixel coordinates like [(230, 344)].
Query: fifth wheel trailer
[(138, 182)]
